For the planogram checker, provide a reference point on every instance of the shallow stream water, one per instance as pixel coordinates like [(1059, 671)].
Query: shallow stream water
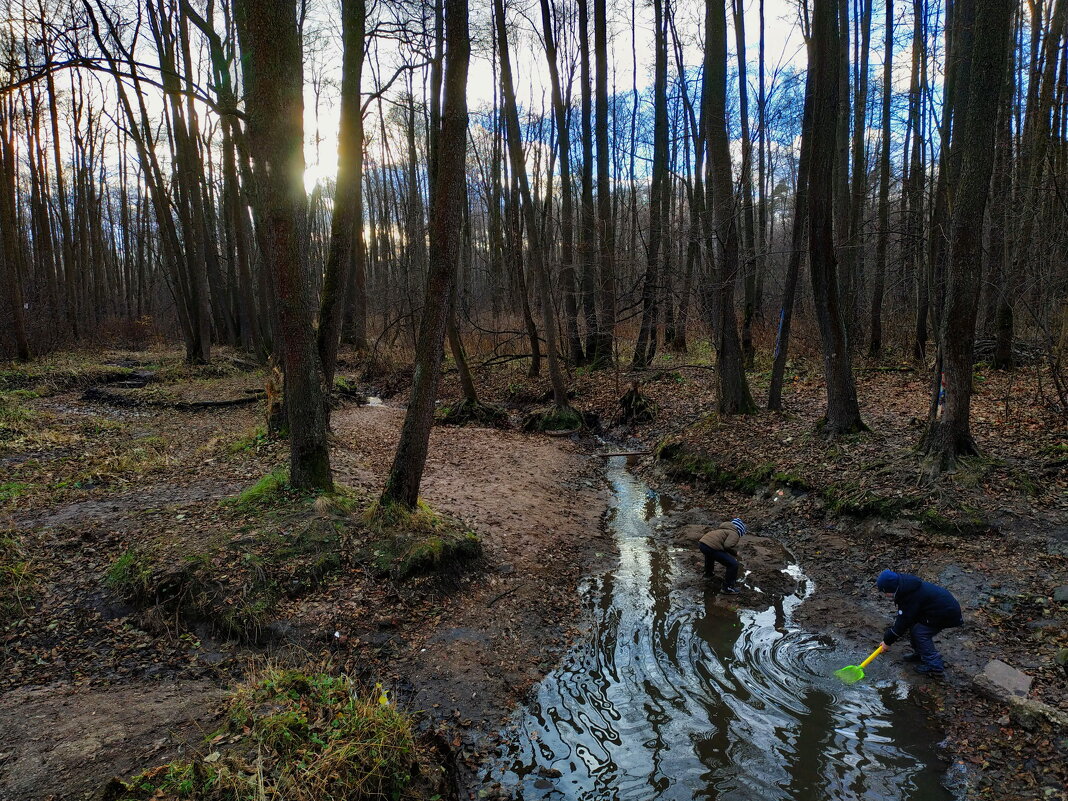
[(679, 694)]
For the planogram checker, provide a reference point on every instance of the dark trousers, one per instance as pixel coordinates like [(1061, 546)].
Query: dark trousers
[(725, 559), (922, 637)]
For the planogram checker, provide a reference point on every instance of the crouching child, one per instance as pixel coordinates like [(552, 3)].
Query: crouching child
[(923, 610), (718, 544)]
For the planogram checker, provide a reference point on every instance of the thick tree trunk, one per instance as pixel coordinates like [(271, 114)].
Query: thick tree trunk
[(843, 412), (981, 45), (734, 395), (271, 57)]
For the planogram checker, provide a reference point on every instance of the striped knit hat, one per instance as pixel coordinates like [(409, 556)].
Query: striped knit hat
[(738, 524)]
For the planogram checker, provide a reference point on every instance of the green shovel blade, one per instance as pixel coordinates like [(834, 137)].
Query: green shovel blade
[(850, 674)]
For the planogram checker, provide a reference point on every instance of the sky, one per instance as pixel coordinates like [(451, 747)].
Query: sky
[(783, 45)]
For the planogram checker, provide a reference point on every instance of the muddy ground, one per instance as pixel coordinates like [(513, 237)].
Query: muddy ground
[(463, 651)]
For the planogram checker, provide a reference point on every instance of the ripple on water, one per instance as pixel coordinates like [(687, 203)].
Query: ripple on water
[(678, 696)]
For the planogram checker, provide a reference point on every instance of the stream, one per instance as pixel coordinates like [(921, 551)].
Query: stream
[(678, 694)]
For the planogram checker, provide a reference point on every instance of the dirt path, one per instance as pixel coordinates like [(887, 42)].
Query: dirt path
[(537, 505), (61, 742)]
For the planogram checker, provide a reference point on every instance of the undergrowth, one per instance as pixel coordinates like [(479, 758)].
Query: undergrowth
[(301, 737), (466, 412), (271, 490), (683, 462), (58, 372)]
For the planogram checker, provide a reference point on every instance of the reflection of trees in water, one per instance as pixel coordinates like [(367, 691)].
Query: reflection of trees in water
[(679, 695)]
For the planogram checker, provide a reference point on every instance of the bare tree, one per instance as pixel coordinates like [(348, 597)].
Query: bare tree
[(405, 476), (843, 412), (734, 395), (274, 105), (981, 45)]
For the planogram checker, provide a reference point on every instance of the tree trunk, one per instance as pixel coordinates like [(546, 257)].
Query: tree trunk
[(876, 320), (843, 412), (606, 241), (271, 57), (981, 44), (535, 247), (587, 216), (567, 206), (797, 250), (734, 395), (10, 269), (749, 265), (446, 209), (658, 196), (347, 194), (859, 185)]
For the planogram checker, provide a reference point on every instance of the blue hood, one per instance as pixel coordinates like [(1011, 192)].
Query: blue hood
[(888, 581)]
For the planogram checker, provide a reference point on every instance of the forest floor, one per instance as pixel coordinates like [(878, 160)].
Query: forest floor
[(147, 478)]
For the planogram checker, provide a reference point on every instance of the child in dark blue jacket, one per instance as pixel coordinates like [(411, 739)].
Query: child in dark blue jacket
[(923, 610)]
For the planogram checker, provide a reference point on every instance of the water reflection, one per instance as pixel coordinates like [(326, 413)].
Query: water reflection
[(678, 695)]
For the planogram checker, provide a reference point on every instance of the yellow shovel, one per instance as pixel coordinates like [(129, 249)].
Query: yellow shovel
[(854, 673)]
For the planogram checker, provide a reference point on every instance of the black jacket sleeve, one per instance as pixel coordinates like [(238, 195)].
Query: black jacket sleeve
[(902, 623)]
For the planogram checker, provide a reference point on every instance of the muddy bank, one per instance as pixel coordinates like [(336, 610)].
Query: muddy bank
[(459, 651), (469, 651)]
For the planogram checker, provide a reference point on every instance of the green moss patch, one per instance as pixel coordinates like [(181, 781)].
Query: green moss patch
[(302, 737), (860, 501), (408, 543), (555, 419), (467, 412), (684, 462), (963, 522)]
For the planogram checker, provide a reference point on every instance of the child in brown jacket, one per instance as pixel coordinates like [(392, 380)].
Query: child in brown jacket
[(719, 545)]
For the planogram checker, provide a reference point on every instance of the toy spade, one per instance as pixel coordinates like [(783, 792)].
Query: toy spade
[(854, 673)]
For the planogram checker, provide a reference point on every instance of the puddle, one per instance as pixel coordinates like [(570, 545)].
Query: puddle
[(677, 694)]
